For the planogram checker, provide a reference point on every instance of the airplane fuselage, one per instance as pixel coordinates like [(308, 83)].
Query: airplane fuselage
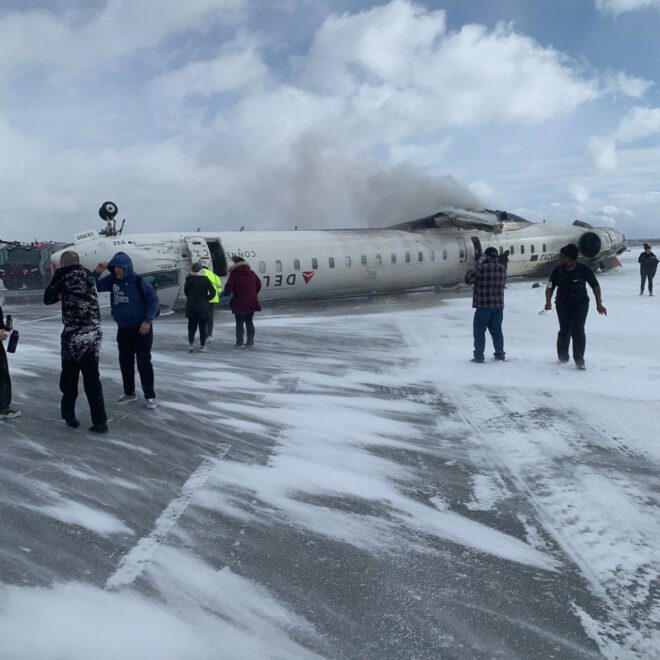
[(317, 264)]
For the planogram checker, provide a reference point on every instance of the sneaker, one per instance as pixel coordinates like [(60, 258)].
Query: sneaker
[(99, 428), (249, 343), (10, 413), (73, 423), (580, 365), (127, 398), (203, 349), (239, 346), (152, 404), (209, 338), (191, 348)]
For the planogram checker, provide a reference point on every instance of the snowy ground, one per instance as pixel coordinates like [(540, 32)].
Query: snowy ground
[(351, 487)]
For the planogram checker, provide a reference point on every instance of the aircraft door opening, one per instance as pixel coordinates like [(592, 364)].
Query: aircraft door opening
[(477, 248), (199, 251), (218, 256)]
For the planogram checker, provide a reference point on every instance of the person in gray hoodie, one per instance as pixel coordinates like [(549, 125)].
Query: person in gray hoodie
[(134, 306)]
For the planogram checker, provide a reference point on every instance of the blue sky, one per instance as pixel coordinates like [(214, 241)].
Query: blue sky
[(322, 113)]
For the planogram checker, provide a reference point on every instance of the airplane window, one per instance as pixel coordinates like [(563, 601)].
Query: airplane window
[(262, 266), (278, 266), (511, 251), (522, 249), (393, 258), (533, 249), (544, 248), (379, 261), (461, 254), (444, 254), (348, 262), (331, 262), (501, 250), (407, 257), (315, 263), (420, 256), (363, 259), (162, 279), (432, 253), (296, 264)]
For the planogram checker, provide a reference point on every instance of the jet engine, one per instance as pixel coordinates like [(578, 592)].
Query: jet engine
[(601, 243)]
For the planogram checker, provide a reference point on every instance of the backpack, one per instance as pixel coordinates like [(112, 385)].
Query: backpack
[(138, 283)]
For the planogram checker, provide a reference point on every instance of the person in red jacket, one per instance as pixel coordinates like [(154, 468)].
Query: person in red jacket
[(241, 289)]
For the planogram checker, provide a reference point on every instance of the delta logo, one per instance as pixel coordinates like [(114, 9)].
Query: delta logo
[(307, 276)]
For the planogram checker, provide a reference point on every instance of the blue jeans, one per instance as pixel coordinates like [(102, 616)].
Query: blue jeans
[(491, 319)]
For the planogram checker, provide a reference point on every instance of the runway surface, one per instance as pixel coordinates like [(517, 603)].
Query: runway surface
[(351, 487)]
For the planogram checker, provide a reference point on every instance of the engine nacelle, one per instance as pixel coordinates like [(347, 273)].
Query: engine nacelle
[(601, 243)]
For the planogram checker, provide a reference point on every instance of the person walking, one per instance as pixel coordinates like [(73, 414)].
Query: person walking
[(6, 411), (488, 278), (504, 259), (217, 283), (648, 265), (134, 305), (242, 289), (75, 286), (572, 302), (199, 292)]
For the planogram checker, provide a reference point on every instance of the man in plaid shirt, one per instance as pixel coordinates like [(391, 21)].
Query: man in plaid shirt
[(489, 278)]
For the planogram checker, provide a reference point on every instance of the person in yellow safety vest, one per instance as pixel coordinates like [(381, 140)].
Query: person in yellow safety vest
[(217, 283)]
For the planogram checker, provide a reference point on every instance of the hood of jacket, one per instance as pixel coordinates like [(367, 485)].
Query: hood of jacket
[(240, 269), (124, 261)]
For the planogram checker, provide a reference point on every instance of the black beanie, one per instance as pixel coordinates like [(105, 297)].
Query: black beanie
[(570, 251)]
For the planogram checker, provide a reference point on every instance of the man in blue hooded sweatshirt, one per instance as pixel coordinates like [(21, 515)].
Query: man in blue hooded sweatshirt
[(134, 305)]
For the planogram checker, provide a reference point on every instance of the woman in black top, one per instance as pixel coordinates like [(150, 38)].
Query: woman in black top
[(570, 279), (199, 292)]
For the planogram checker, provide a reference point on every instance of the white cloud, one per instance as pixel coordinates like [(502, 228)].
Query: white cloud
[(638, 123), (579, 193), (39, 38), (625, 85), (238, 65), (483, 191), (616, 7), (604, 153)]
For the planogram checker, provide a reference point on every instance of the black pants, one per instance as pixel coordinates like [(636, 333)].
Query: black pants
[(650, 278), (244, 319), (134, 346), (572, 317), (5, 381), (88, 365), (192, 329), (209, 321)]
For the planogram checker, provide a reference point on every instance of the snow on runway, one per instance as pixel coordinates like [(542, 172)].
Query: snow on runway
[(379, 496)]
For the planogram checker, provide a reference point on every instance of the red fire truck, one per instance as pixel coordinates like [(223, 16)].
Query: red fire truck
[(26, 264)]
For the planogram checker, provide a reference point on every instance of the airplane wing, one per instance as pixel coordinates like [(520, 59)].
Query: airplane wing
[(484, 220)]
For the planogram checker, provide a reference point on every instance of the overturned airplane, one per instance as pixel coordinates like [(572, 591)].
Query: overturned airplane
[(434, 251)]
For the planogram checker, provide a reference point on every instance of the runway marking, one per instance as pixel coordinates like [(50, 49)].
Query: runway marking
[(138, 558)]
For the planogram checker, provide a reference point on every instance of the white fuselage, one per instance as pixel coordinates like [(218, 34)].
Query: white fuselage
[(318, 264)]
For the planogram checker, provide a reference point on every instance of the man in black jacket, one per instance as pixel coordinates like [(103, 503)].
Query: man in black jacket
[(648, 265), (572, 302), (81, 339), (6, 411)]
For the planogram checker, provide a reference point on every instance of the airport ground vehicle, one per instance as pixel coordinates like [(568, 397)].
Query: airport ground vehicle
[(26, 264)]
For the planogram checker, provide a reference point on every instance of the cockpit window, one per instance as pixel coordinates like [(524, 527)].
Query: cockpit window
[(162, 279)]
